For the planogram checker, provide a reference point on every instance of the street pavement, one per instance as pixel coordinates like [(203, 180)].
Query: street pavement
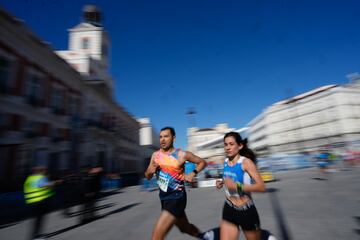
[(302, 204)]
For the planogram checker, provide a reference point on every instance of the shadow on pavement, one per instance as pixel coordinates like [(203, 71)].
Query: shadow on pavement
[(358, 221), (74, 214), (109, 193), (319, 179), (283, 229), (94, 219), (8, 225), (120, 209), (20, 212)]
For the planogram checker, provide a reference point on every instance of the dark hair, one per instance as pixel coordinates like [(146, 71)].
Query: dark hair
[(244, 151), (172, 130)]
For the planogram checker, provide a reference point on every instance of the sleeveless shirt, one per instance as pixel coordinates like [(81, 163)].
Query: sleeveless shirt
[(237, 174), (170, 175)]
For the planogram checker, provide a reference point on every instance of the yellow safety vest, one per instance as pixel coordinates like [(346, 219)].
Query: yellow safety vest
[(32, 192)]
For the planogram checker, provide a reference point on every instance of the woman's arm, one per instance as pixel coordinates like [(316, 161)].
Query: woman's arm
[(259, 185)]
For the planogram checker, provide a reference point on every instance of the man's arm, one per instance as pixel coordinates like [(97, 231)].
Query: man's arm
[(151, 169), (200, 165)]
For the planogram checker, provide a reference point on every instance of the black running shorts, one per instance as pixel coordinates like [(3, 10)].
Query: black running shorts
[(247, 219), (175, 206)]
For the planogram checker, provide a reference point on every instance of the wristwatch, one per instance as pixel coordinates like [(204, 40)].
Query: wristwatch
[(195, 171)]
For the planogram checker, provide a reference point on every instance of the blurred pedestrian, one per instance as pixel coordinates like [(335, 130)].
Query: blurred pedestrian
[(38, 191), (97, 174), (322, 159), (240, 178), (91, 186), (69, 191), (168, 164)]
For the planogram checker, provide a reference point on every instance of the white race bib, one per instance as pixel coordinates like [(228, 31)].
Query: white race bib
[(163, 181)]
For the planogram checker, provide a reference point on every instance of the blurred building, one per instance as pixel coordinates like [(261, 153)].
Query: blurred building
[(89, 49), (208, 142), (149, 140), (51, 115), (326, 116)]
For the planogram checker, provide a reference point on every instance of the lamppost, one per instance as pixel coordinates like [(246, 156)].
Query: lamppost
[(191, 115)]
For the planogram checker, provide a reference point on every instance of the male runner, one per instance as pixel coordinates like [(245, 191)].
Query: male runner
[(168, 164)]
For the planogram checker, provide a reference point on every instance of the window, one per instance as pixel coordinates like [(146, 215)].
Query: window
[(5, 122), (6, 74), (74, 105), (34, 90), (56, 99), (85, 43)]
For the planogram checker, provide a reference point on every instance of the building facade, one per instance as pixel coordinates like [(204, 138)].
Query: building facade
[(207, 143), (89, 49), (149, 140), (51, 116), (326, 116)]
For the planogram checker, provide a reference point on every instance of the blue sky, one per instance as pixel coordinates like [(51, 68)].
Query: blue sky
[(227, 59)]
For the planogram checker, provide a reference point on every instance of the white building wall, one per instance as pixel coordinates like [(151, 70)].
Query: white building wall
[(79, 61), (197, 137), (318, 119), (94, 37), (146, 132)]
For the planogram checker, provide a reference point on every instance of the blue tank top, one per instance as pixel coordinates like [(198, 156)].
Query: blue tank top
[(237, 174)]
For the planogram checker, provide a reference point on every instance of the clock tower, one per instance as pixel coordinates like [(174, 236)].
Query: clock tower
[(88, 51)]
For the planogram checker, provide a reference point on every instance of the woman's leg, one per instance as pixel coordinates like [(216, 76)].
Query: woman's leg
[(229, 231)]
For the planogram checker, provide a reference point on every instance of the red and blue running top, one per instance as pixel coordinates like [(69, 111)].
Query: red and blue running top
[(170, 175)]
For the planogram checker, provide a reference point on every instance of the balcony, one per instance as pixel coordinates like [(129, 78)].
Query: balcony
[(12, 137)]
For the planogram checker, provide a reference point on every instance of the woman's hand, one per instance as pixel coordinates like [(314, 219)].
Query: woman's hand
[(219, 183), (234, 186), (230, 184)]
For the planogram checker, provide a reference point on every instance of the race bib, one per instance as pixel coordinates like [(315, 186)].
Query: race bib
[(163, 181)]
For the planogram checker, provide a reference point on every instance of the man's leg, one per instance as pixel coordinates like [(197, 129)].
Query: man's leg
[(40, 211), (163, 225), (253, 235), (35, 221), (184, 226)]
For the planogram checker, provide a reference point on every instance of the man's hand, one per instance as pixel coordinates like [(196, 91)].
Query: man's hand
[(189, 177), (151, 170)]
